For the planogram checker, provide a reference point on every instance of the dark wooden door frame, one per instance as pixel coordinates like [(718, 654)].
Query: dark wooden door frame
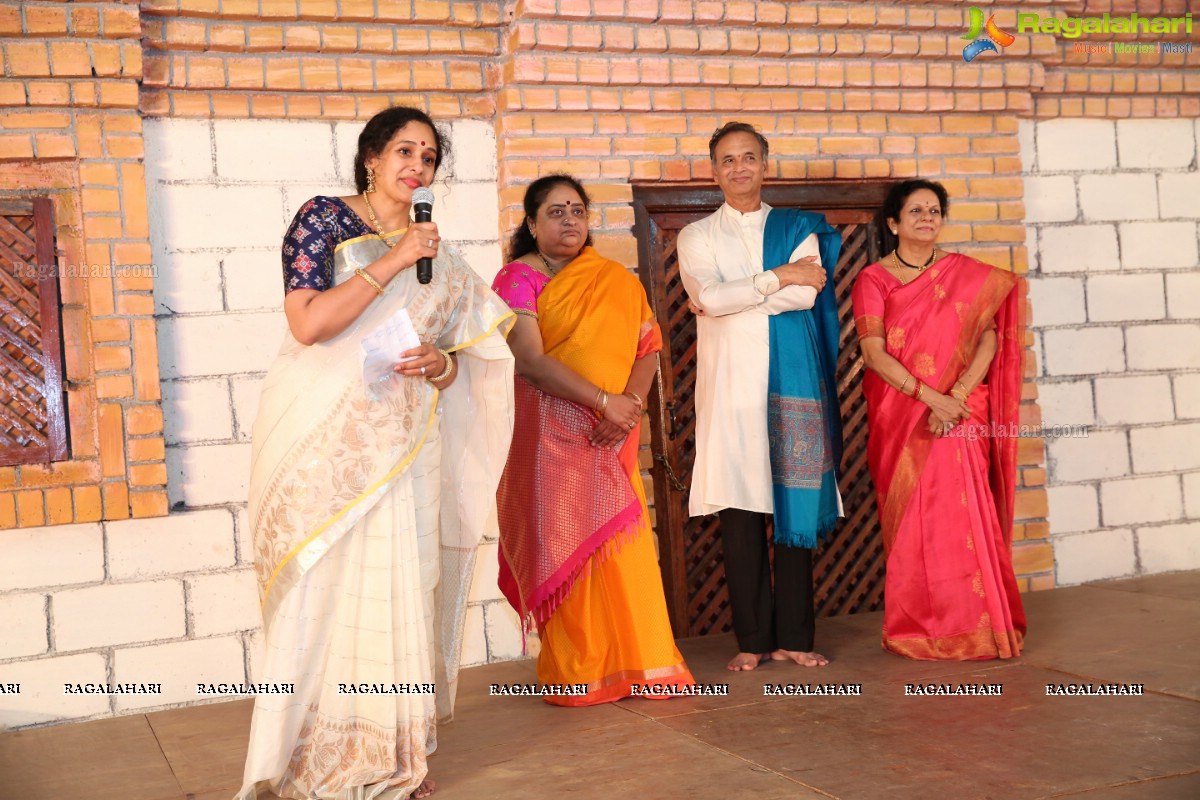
[(677, 203)]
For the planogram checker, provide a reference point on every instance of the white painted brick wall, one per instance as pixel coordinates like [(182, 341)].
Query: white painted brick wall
[(1112, 210), (42, 698), (1169, 448), (1095, 556), (196, 541), (54, 556), (1116, 298), (23, 625), (100, 616), (197, 410), (1079, 248), (178, 666), (225, 602), (207, 475), (1166, 548), (1133, 400)]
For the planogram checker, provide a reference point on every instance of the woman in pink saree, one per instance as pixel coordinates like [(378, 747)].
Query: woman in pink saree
[(942, 337)]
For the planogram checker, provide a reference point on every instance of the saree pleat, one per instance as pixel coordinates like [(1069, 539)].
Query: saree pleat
[(577, 553), (366, 513), (946, 503)]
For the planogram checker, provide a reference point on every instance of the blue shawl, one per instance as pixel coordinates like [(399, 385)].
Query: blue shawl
[(803, 415)]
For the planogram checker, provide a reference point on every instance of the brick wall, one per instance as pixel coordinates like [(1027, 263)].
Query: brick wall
[(614, 91), (71, 130), (1112, 210)]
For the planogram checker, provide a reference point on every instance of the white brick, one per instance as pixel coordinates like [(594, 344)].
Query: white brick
[(1148, 143), (222, 344), (247, 391), (184, 217), (1094, 556), (1168, 548), (206, 475), (197, 411), (42, 698), (1139, 500), (1179, 195), (1191, 494), (474, 651), (245, 536), (177, 150), (1119, 196), (1073, 508), (503, 632), (1079, 248), (1102, 454), (467, 212), (1026, 138), (59, 555), (1032, 251), (178, 666), (22, 625), (1171, 448), (1075, 144), (1084, 352), (1050, 199), (224, 603), (1133, 400), (485, 259), (117, 614), (1066, 403), (345, 135), (1057, 301), (1158, 245), (255, 653), (253, 279), (187, 283), (1187, 396), (294, 151), (1157, 347), (485, 585), (473, 147), (1114, 298), (1183, 295), (183, 542)]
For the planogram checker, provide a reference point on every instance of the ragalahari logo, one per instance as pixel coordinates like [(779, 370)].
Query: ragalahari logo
[(979, 44)]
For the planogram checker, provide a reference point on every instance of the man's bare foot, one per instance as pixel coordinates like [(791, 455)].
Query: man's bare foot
[(426, 788), (800, 657), (744, 662)]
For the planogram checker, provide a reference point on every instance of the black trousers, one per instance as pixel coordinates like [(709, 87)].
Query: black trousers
[(764, 620)]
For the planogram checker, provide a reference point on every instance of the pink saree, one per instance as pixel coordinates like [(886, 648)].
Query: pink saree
[(946, 504)]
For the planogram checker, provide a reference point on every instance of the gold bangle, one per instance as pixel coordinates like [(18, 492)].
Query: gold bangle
[(603, 405), (596, 402), (904, 383), (635, 396), (445, 372), (366, 276)]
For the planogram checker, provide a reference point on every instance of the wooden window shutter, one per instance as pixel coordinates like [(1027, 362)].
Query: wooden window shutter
[(33, 427)]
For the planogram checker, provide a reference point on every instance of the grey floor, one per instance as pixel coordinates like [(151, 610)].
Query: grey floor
[(883, 744)]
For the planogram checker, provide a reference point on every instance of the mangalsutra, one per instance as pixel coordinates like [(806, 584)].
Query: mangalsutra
[(375, 221), (550, 271), (932, 257)]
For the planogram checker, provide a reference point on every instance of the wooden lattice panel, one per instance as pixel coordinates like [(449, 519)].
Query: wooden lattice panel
[(32, 425), (849, 566)]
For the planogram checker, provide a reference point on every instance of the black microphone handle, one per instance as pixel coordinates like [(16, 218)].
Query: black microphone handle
[(424, 213)]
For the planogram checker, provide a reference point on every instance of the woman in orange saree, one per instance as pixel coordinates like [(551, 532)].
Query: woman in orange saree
[(577, 554), (942, 336)]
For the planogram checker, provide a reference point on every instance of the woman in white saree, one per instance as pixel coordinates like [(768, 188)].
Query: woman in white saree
[(369, 493)]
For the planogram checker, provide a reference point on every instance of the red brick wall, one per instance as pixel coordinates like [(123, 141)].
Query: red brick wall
[(71, 130)]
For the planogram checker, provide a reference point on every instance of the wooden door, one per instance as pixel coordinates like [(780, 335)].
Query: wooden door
[(849, 566)]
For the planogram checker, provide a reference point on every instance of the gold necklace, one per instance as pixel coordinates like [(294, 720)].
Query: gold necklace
[(896, 261), (375, 222), (547, 271)]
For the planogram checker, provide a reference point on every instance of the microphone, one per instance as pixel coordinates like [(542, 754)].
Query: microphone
[(422, 199)]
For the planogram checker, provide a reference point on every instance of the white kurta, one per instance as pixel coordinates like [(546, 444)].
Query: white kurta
[(718, 259)]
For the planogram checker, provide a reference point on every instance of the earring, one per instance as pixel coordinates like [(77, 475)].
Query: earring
[(893, 231), (371, 181)]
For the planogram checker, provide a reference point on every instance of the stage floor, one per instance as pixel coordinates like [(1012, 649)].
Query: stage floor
[(882, 744)]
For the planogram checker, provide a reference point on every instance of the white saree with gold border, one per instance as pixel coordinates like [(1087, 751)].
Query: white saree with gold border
[(366, 513)]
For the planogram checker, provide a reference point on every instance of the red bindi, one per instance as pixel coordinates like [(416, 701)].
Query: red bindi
[(422, 144)]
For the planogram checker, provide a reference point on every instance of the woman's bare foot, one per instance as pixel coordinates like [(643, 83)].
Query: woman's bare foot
[(426, 788), (744, 662), (800, 657)]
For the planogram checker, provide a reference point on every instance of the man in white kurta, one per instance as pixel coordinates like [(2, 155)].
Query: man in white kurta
[(721, 264)]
